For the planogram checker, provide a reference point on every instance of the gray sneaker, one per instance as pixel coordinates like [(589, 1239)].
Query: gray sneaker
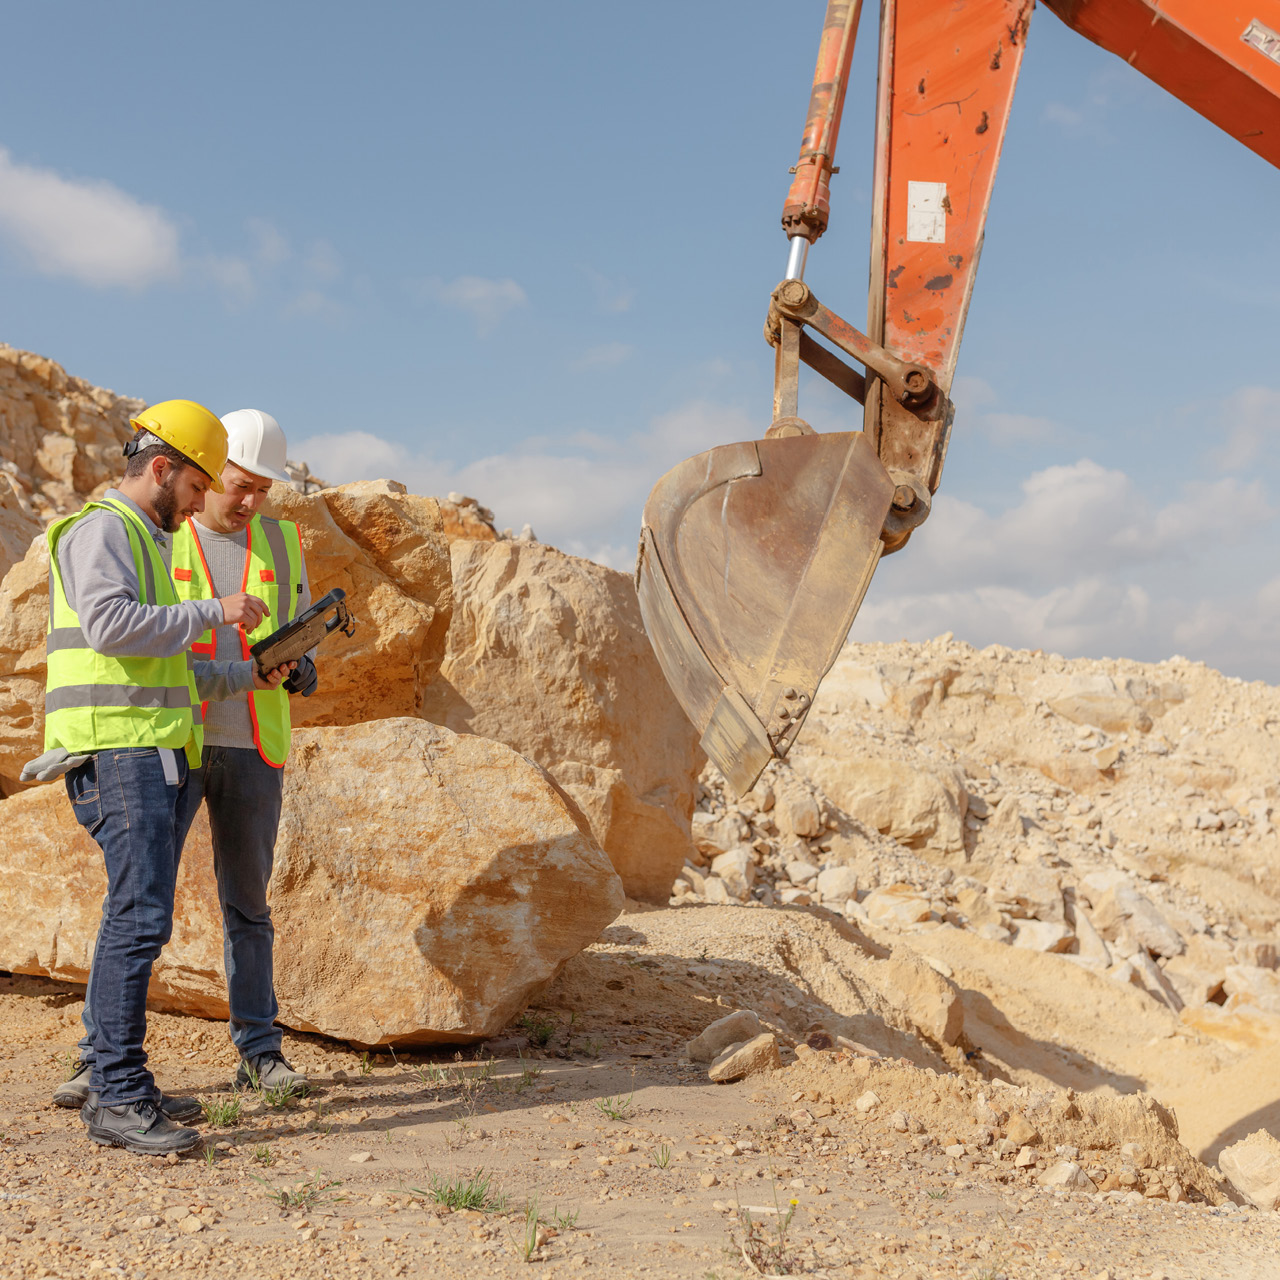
[(268, 1070), (180, 1110), (141, 1128), (74, 1091)]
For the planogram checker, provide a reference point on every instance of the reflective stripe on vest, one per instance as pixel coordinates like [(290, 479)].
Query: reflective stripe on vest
[(94, 702), (273, 573)]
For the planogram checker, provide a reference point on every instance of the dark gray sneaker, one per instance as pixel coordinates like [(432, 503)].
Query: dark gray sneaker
[(180, 1110), (140, 1127), (73, 1091), (268, 1071)]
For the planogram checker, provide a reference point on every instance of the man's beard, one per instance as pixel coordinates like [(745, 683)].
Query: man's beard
[(166, 504)]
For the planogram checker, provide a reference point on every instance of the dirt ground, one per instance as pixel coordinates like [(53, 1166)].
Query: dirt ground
[(607, 1152)]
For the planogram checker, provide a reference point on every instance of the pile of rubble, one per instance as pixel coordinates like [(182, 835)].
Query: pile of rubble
[(1117, 814)]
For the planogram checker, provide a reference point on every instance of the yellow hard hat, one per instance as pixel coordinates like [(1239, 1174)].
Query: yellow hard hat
[(191, 429)]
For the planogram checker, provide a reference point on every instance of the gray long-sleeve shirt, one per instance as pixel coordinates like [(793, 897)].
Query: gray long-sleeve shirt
[(101, 585)]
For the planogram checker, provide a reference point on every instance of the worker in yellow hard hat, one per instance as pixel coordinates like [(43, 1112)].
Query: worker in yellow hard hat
[(123, 724)]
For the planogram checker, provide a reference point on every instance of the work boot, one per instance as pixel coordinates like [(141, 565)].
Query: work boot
[(179, 1110), (73, 1091), (140, 1127), (268, 1071)]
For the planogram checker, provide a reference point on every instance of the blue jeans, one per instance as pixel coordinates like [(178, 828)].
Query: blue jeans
[(243, 794), (121, 799)]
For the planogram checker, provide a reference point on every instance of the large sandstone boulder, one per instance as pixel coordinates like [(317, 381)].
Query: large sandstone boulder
[(60, 437), (428, 885), (547, 653), (24, 617), (383, 546), (18, 526)]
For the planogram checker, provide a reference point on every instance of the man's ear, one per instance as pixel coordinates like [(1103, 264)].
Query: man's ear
[(159, 466)]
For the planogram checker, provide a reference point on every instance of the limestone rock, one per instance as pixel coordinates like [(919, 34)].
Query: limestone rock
[(1021, 1132), (60, 437), (836, 884), (735, 1028), (1029, 892), (18, 525), (24, 617), (1123, 907), (1110, 703), (1066, 1173), (741, 1060), (548, 654), (464, 518), (897, 905), (1253, 1165), (714, 834), (918, 806), (797, 814), (930, 1000), (385, 548), (1042, 935), (429, 885), (1252, 986)]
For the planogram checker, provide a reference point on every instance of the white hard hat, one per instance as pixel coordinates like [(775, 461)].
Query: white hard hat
[(256, 444)]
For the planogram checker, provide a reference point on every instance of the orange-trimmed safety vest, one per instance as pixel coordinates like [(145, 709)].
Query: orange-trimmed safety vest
[(273, 573)]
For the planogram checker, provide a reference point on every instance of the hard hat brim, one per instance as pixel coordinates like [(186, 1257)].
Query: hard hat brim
[(263, 473)]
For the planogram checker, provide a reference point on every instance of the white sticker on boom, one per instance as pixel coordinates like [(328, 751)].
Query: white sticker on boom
[(926, 214), (1262, 38)]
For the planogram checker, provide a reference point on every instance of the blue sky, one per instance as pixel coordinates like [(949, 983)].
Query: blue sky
[(526, 253)]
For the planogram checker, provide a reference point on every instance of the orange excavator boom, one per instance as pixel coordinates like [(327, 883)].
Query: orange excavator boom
[(1220, 57), (755, 556)]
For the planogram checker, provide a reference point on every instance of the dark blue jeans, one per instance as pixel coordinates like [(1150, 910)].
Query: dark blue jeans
[(243, 793), (121, 799)]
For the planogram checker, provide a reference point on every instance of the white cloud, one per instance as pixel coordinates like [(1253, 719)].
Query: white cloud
[(322, 262), (270, 247), (1250, 419), (485, 300), (85, 229), (582, 493)]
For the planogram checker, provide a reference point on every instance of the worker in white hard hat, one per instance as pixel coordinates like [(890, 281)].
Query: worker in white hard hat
[(246, 739)]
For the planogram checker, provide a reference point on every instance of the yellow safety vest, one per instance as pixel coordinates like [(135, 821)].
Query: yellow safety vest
[(272, 572), (95, 702)]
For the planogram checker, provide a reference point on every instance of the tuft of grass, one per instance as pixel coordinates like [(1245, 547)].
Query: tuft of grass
[(940, 1194), (222, 1113), (432, 1075), (209, 1155), (284, 1095), (662, 1157), (768, 1252), (537, 1028), (264, 1155), (564, 1220), (529, 1239), (315, 1190), (366, 1063), (478, 1192), (68, 1060), (615, 1108), (528, 1074)]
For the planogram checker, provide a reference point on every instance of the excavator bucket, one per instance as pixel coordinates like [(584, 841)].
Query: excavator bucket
[(754, 559)]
